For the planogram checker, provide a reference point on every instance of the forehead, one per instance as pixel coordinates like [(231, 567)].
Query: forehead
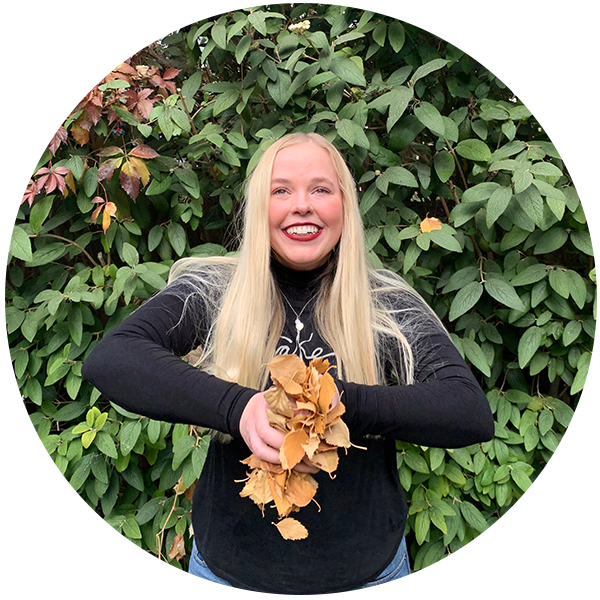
[(303, 157)]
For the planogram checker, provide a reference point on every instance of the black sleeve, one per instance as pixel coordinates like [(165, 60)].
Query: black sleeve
[(445, 408), (138, 366)]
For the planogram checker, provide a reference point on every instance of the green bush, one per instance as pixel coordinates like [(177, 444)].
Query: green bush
[(461, 191)]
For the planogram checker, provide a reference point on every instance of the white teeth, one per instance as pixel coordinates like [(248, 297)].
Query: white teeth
[(302, 230)]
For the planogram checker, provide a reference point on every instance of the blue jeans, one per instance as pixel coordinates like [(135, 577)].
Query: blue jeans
[(394, 580)]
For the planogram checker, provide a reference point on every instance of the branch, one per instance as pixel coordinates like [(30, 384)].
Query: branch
[(68, 241)]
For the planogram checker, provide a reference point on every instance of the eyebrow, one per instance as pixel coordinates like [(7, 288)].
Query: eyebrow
[(312, 181)]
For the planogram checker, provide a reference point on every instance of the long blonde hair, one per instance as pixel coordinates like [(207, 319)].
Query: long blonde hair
[(362, 313)]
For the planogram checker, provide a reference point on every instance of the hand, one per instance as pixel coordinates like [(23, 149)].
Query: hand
[(263, 440)]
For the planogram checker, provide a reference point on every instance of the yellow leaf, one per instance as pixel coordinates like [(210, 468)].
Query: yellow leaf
[(290, 529), (141, 169), (429, 224)]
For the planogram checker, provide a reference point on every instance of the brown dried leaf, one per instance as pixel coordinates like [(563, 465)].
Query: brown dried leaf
[(258, 489), (284, 508), (311, 446), (335, 413), (327, 461), (291, 451), (291, 387), (320, 364), (326, 393), (338, 435), (299, 490), (429, 224), (256, 463), (279, 403), (177, 550), (287, 365), (291, 529)]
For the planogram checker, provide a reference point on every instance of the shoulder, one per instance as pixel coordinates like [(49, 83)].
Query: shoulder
[(200, 282), (401, 302)]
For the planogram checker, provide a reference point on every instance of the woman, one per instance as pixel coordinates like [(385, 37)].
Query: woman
[(300, 283)]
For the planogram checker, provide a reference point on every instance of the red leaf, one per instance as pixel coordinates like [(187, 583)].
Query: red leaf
[(107, 168), (31, 192), (143, 151), (110, 151), (60, 137), (171, 73), (130, 181)]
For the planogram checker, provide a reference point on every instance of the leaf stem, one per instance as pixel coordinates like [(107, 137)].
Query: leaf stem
[(63, 239)]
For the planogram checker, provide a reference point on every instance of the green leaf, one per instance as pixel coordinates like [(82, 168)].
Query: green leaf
[(465, 299), (69, 90), (571, 332), (427, 68), (128, 436), (554, 525), (520, 478), (583, 365), (379, 33), (443, 163), (501, 290), (400, 176), (105, 443), (445, 239), (528, 345), (474, 354), (545, 169), (39, 213), (131, 529), (225, 100), (473, 516), (279, 89), (430, 116), (20, 244), (176, 237), (130, 255), (497, 204), (576, 101), (422, 524), (474, 150), (347, 70), (242, 48), (396, 35), (582, 241), (551, 240), (560, 281), (531, 274)]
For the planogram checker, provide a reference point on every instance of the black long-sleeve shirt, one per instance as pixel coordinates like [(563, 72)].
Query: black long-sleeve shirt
[(362, 515)]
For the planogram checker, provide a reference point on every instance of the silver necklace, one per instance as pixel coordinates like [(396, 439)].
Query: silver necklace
[(298, 323)]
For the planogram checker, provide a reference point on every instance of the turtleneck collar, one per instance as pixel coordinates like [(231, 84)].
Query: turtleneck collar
[(287, 277)]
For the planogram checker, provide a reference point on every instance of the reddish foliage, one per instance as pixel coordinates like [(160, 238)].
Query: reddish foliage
[(102, 44)]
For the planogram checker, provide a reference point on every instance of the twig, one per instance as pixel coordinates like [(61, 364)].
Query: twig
[(58, 237)]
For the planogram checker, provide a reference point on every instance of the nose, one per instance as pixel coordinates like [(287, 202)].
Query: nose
[(301, 203)]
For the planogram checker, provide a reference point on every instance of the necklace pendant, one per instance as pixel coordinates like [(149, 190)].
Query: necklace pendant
[(299, 324)]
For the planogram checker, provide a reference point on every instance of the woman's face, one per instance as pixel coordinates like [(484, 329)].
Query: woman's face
[(305, 208)]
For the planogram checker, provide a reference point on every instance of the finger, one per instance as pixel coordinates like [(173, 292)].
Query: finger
[(264, 452), (305, 466)]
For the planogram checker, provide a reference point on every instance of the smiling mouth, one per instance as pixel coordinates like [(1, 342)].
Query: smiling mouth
[(302, 230)]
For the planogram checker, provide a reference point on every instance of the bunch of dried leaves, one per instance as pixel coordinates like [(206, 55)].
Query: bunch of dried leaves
[(302, 406)]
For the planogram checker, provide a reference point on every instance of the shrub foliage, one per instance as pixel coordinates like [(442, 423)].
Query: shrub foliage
[(461, 191)]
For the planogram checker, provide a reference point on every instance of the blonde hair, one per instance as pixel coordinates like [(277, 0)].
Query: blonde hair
[(363, 314)]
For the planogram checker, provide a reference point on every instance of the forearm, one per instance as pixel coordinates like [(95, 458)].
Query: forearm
[(446, 409)]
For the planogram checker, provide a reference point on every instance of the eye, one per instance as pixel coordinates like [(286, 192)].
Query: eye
[(322, 190), (278, 192)]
